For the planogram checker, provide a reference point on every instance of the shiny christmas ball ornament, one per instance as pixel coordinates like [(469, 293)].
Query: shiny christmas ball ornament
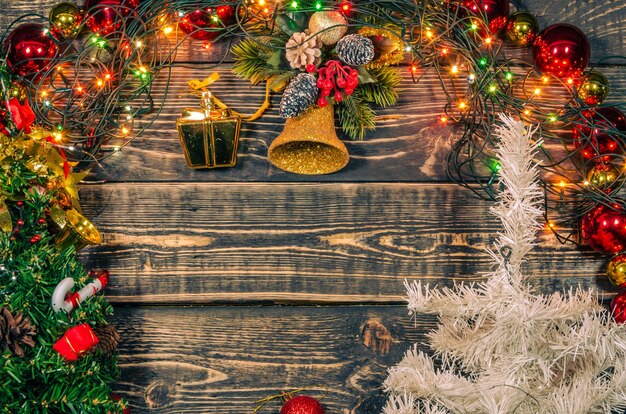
[(496, 12), (522, 28), (329, 26), (601, 133), (561, 50), (106, 16), (65, 20), (616, 270), (594, 89), (618, 307), (605, 177), (604, 228), (18, 91), (29, 50), (302, 404), (205, 24)]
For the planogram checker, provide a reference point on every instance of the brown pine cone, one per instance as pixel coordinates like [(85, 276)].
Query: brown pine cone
[(108, 338), (16, 331), (302, 49)]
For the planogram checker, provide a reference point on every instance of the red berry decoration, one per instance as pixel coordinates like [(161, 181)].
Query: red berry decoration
[(20, 223), (604, 228), (602, 133), (35, 239), (496, 11), (561, 50), (20, 204), (618, 307), (338, 78), (302, 404), (41, 221), (212, 18), (29, 50), (106, 16)]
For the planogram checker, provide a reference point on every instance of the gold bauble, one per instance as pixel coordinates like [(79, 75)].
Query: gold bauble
[(594, 89), (65, 18), (309, 144), (616, 270), (388, 46), (605, 177), (18, 91), (329, 26)]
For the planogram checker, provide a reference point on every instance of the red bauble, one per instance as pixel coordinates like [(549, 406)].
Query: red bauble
[(599, 134), (561, 50), (29, 50), (618, 307), (213, 18), (604, 228), (302, 404), (105, 16), (497, 12)]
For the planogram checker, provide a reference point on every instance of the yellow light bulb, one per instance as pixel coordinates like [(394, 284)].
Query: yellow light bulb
[(167, 30), (537, 91), (454, 69)]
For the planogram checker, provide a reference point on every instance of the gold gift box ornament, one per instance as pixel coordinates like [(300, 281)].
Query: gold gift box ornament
[(209, 136)]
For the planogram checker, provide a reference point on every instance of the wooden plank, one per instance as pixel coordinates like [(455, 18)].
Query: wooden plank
[(222, 359), (312, 243), (409, 145)]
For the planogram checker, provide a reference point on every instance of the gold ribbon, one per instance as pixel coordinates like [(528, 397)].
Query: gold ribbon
[(198, 86), (6, 224)]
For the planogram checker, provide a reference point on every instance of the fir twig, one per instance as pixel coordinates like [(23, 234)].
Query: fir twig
[(356, 117)]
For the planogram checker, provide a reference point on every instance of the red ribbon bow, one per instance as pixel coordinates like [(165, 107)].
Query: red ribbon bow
[(22, 115)]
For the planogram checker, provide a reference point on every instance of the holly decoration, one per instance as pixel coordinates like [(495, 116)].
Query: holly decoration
[(335, 78)]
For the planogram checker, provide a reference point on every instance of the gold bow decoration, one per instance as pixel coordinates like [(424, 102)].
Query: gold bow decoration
[(43, 159), (198, 86)]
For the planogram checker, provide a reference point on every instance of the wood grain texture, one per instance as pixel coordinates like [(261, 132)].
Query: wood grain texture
[(220, 360), (210, 242), (409, 145)]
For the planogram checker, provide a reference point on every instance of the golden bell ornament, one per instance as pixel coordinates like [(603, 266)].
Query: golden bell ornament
[(209, 136), (78, 231), (616, 270), (309, 144)]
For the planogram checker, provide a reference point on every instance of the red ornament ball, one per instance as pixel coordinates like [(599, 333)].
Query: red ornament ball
[(561, 50), (618, 307), (29, 50), (212, 18), (598, 135), (302, 404), (604, 228), (35, 239), (106, 16), (496, 11)]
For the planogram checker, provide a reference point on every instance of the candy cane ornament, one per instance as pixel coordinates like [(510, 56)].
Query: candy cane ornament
[(63, 299)]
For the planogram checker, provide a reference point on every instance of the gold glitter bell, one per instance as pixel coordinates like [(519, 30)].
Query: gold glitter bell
[(309, 144), (209, 136), (77, 231)]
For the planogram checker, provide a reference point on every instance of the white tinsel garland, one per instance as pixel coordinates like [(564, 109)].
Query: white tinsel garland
[(500, 347)]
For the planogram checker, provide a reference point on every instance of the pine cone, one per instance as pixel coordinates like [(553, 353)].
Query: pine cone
[(302, 49), (16, 331), (301, 93), (355, 50), (108, 338)]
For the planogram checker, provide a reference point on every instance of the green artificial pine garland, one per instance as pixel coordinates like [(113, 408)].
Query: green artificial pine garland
[(30, 268)]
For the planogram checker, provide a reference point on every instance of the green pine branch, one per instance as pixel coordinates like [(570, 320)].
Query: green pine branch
[(383, 92), (356, 117), (258, 62)]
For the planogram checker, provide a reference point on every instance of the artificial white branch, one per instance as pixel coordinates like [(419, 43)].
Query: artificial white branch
[(499, 346)]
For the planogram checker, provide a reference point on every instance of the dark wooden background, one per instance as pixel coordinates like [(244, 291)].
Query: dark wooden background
[(230, 285)]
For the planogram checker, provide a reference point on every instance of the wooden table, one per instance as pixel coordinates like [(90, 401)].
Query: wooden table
[(230, 285)]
